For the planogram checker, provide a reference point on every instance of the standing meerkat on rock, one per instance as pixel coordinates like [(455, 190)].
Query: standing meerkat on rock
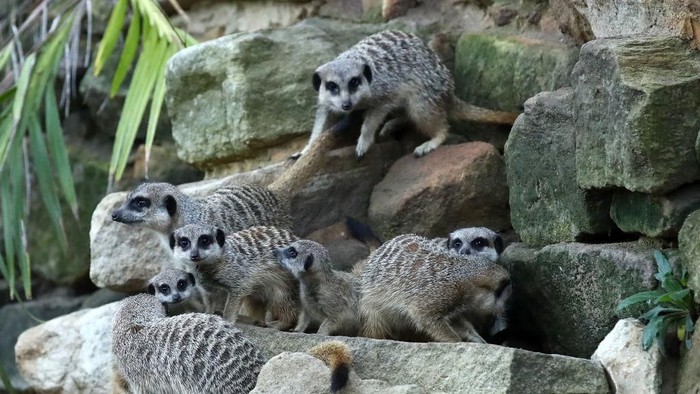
[(189, 353), (393, 74), (410, 283), (243, 264), (328, 297)]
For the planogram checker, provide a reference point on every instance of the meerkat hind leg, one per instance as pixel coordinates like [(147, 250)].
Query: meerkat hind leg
[(435, 127), (436, 326)]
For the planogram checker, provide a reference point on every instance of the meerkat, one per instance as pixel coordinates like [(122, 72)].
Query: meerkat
[(410, 283), (189, 353), (474, 241), (337, 355), (328, 296), (393, 74), (243, 264), (179, 292)]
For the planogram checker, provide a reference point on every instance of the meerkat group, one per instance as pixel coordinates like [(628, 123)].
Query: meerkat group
[(238, 241)]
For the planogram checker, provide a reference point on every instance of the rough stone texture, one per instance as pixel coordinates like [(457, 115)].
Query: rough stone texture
[(125, 257), (566, 294), (570, 21), (501, 71), (628, 92), (344, 250), (690, 250), (70, 354), (454, 186), (630, 368), (654, 215), (480, 367), (689, 372), (613, 18), (16, 318), (546, 203), (311, 376), (394, 8), (225, 96)]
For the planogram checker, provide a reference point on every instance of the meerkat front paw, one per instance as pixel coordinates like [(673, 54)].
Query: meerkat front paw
[(423, 149), (362, 148)]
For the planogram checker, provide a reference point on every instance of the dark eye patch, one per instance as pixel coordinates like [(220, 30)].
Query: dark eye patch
[(479, 243), (204, 241), (164, 289), (184, 243), (140, 203), (457, 244), (291, 253), (354, 83), (181, 284), (332, 87)]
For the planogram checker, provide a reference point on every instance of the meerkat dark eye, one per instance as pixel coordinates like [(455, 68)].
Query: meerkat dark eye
[(457, 244), (292, 253), (354, 82), (184, 243), (479, 243), (332, 87), (204, 241), (141, 202), (164, 289), (181, 284)]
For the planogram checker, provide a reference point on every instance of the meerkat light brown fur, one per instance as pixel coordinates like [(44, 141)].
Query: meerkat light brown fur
[(243, 264), (411, 283), (328, 297), (337, 355), (189, 353), (393, 74)]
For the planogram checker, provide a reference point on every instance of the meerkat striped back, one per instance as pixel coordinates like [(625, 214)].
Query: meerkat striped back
[(189, 353), (244, 206), (258, 240)]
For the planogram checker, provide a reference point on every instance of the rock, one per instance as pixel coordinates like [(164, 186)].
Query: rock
[(230, 88), (210, 20), (70, 354), (454, 186), (546, 203), (342, 187), (344, 250), (627, 91), (630, 368), (163, 165), (566, 294), (16, 318), (689, 371), (654, 215), (690, 250), (480, 367), (394, 8), (570, 20), (500, 71), (311, 376), (613, 18)]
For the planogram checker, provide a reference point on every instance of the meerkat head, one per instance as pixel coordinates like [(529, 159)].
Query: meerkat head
[(303, 257), (150, 205), (197, 243), (343, 84), (172, 286), (476, 241)]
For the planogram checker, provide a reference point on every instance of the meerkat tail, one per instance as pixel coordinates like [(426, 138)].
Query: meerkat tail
[(363, 232), (337, 355), (306, 166), (464, 111)]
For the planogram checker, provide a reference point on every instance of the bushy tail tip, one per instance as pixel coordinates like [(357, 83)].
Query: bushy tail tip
[(362, 232), (337, 355)]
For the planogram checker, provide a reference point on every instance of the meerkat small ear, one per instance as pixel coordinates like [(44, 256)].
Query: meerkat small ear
[(449, 242), (172, 241), (367, 73), (308, 262), (190, 276), (498, 244), (316, 80), (151, 289), (170, 205), (220, 237)]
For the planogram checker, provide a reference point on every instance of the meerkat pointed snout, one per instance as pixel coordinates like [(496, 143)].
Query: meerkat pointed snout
[(172, 286)]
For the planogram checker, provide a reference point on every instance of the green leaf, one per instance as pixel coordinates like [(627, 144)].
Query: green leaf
[(156, 105), (676, 298), (8, 94), (5, 379), (9, 230), (57, 147), (661, 310), (42, 169), (637, 298), (5, 55), (651, 331), (111, 34), (131, 45), (18, 103), (662, 263)]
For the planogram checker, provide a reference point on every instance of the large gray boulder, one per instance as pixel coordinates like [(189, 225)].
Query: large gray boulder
[(454, 186), (546, 203), (450, 367), (636, 120), (654, 215), (235, 97), (500, 71), (689, 371), (566, 294)]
